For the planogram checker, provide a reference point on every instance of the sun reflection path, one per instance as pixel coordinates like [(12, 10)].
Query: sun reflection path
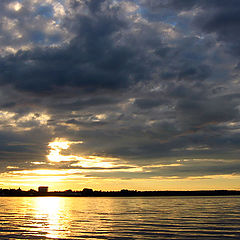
[(51, 217)]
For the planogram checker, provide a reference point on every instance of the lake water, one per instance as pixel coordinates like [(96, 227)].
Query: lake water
[(120, 218)]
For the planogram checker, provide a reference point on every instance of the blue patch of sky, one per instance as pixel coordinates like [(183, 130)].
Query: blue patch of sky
[(42, 38), (45, 11), (55, 38), (166, 16), (38, 37)]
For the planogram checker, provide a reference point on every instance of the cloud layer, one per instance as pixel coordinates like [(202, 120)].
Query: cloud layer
[(154, 84)]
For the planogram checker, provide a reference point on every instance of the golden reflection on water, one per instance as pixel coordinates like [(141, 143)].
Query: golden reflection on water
[(119, 218), (59, 217), (50, 215)]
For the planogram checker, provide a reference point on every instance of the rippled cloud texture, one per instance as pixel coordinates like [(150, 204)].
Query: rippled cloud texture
[(145, 89)]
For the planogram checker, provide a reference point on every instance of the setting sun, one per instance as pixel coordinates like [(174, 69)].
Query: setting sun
[(57, 146)]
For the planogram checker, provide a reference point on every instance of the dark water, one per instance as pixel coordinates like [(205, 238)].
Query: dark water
[(120, 218)]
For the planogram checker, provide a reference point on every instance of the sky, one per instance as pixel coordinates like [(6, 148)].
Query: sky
[(114, 94)]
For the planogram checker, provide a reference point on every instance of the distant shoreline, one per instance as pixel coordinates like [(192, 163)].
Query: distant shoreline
[(123, 193)]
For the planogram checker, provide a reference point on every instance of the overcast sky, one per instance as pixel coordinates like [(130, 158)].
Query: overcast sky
[(113, 94)]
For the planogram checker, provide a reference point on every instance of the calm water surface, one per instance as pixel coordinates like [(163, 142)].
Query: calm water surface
[(120, 218)]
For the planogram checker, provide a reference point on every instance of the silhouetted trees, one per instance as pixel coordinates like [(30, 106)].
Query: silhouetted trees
[(87, 192)]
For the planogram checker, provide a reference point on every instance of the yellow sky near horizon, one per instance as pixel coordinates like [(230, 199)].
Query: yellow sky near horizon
[(61, 183), (78, 175)]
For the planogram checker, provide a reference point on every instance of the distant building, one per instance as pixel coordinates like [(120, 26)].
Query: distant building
[(87, 192), (43, 189)]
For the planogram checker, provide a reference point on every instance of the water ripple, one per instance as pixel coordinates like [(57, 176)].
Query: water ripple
[(120, 218)]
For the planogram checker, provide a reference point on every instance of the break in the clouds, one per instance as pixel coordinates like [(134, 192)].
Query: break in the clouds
[(138, 89)]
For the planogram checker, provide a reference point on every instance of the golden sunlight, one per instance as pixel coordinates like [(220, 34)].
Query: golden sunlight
[(57, 146), (49, 211)]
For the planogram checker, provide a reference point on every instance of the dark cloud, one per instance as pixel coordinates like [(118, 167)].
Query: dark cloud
[(91, 61), (21, 148), (219, 17)]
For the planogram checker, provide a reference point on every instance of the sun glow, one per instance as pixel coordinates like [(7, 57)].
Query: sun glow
[(55, 156), (65, 168), (57, 146)]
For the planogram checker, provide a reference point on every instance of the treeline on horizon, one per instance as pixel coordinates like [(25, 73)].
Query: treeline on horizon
[(86, 192)]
